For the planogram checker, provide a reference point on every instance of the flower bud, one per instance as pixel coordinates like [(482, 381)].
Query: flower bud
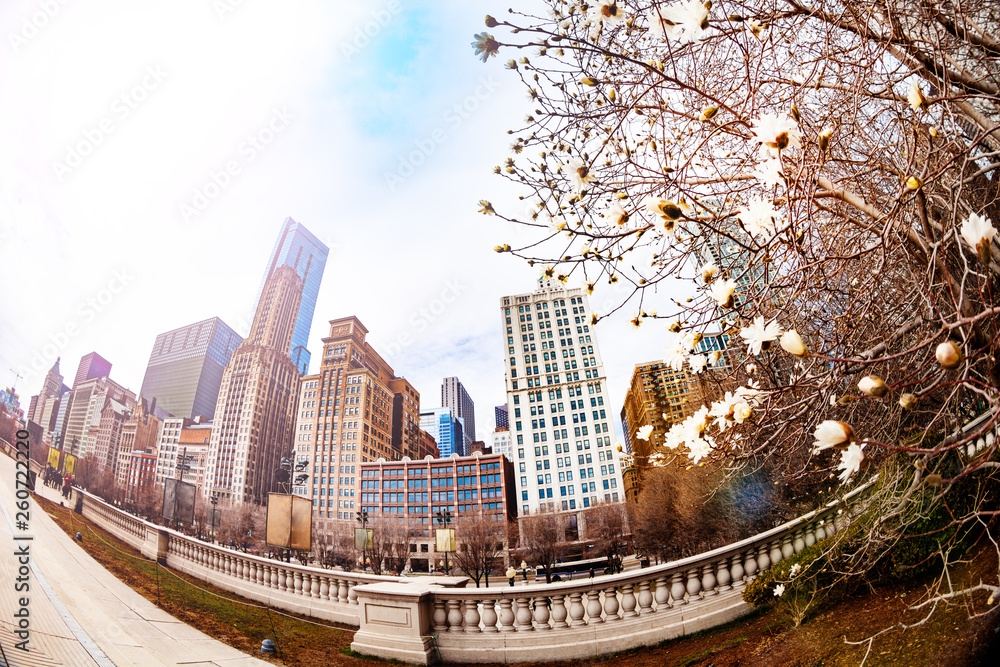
[(914, 183), (791, 342), (948, 354), (491, 22), (709, 112), (908, 401), (873, 386), (934, 480), (824, 139), (709, 272)]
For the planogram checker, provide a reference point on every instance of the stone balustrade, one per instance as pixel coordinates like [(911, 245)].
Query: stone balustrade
[(430, 619), (585, 619), (311, 591)]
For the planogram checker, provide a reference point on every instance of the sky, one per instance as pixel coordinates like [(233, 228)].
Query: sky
[(150, 151)]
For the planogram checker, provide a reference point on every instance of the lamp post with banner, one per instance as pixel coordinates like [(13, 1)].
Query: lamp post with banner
[(445, 537)]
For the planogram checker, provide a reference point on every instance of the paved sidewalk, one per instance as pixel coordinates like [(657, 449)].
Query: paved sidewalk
[(91, 618)]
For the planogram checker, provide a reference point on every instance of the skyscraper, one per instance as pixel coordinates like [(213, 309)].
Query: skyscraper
[(92, 366), (446, 429), (345, 417), (558, 401), (659, 397), (454, 396), (501, 417), (298, 248), (185, 368), (255, 411)]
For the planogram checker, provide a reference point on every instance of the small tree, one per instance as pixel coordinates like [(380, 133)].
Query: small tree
[(390, 544), (480, 546), (607, 527), (541, 540), (333, 545)]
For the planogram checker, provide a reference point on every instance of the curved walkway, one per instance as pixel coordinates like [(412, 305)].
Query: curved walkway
[(87, 616)]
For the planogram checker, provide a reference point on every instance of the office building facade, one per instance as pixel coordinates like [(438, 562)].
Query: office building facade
[(91, 366), (446, 429), (185, 368), (558, 401), (345, 417)]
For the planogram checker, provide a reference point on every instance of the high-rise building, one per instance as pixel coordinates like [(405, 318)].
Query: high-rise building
[(344, 418), (500, 443), (185, 368), (659, 397), (558, 401), (45, 405), (255, 412), (298, 248), (501, 417), (454, 396), (405, 418), (92, 366), (446, 429), (139, 434), (428, 447), (87, 401)]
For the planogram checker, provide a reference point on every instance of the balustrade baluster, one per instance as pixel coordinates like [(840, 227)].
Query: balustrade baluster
[(821, 531), (541, 613), (749, 563), (576, 610), (490, 615), (611, 605), (798, 541), (296, 582), (440, 616), (352, 596), (661, 594), (506, 615), (314, 588), (763, 559), (677, 589), (708, 581), (810, 535), (775, 553), (559, 612), (324, 588), (454, 615), (645, 597), (594, 607), (787, 550), (693, 585), (522, 616), (722, 575), (342, 590), (629, 601), (472, 616)]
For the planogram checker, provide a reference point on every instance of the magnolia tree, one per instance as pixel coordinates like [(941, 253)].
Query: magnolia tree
[(815, 178)]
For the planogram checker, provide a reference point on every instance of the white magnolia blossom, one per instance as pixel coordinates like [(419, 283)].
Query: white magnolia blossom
[(769, 172), (606, 11), (675, 437), (579, 173), (777, 132), (915, 97), (722, 292), (708, 272), (699, 448), (616, 215), (779, 590), (758, 216), (644, 432), (796, 568), (684, 21), (831, 433), (850, 461), (751, 368), (675, 357), (758, 335), (698, 362), (976, 229), (715, 357)]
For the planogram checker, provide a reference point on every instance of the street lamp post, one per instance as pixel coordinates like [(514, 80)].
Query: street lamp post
[(215, 501), (363, 520), (444, 517)]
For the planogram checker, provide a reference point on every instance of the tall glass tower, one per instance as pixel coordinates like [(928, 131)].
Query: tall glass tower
[(298, 248)]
